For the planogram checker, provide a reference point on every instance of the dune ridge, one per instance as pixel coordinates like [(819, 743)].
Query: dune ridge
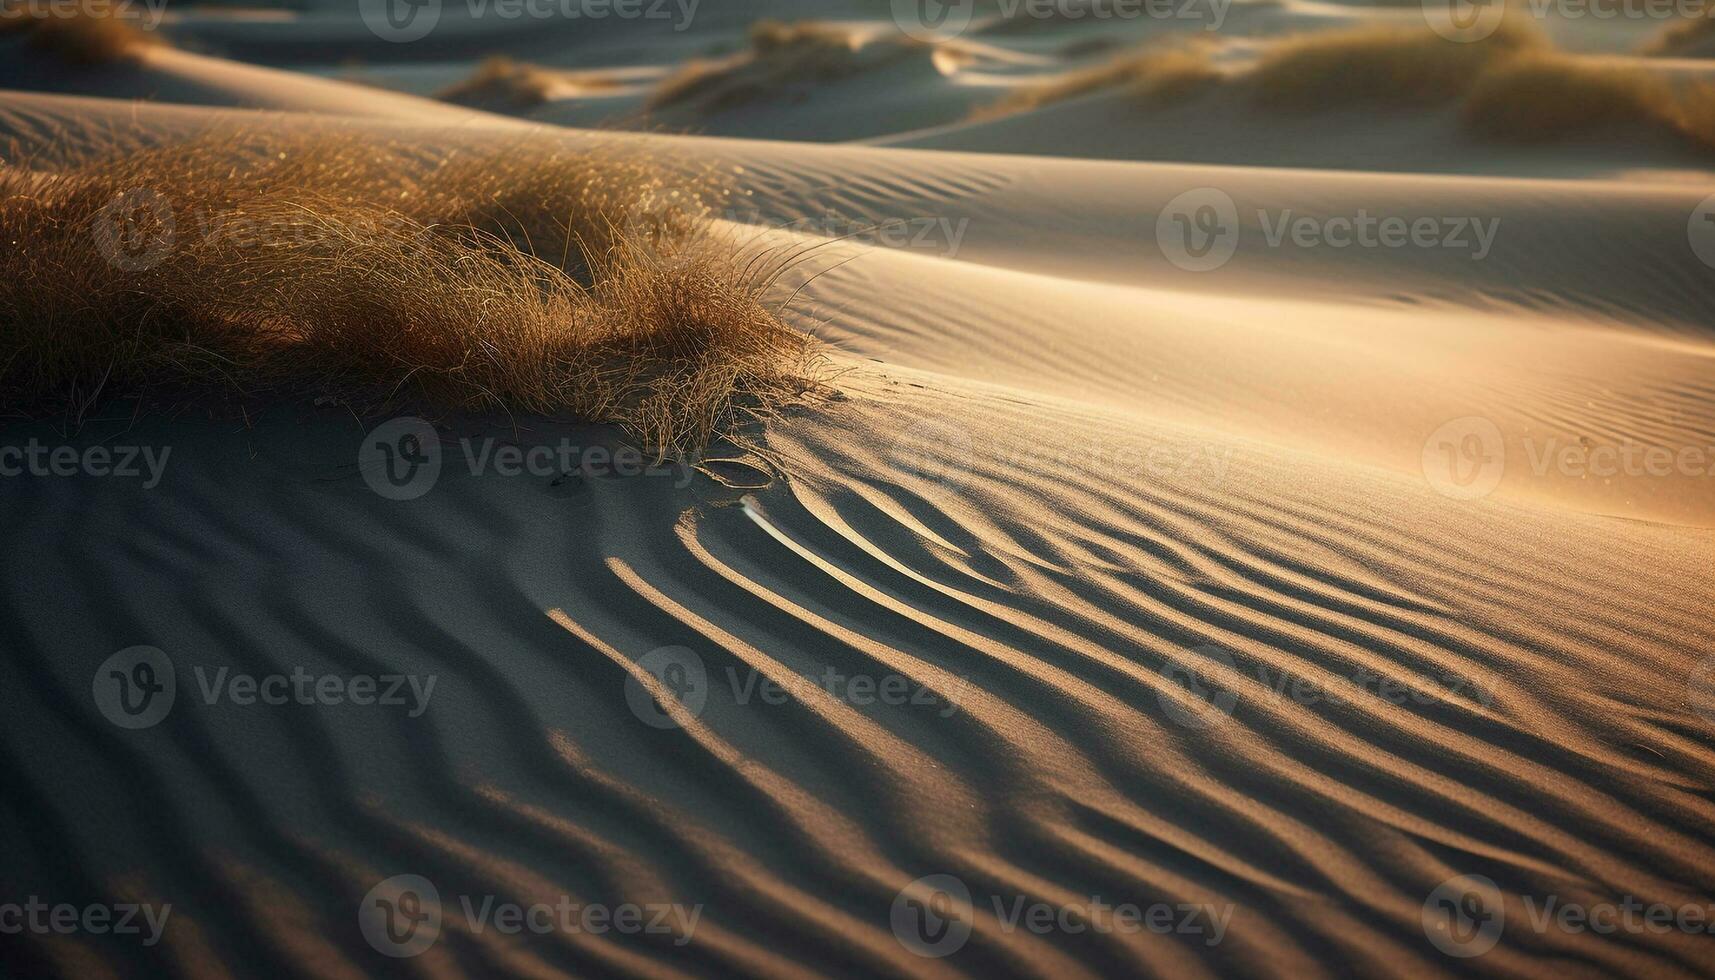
[(1057, 476)]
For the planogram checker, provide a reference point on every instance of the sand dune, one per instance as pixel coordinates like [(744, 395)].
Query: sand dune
[(1180, 564)]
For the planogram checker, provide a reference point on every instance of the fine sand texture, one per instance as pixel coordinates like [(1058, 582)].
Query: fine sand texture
[(1054, 488)]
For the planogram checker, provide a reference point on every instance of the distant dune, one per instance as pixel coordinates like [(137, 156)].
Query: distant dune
[(779, 490)]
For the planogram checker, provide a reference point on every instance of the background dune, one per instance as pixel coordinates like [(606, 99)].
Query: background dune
[(1177, 558)]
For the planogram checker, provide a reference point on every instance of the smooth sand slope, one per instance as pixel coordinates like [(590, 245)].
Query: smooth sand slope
[(1060, 471)]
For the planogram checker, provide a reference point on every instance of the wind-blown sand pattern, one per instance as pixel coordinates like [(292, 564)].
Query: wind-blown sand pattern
[(1286, 601)]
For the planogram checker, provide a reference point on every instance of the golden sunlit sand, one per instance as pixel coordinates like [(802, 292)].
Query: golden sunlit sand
[(799, 490)]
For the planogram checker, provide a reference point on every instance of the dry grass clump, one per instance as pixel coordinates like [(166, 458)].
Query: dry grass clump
[(1693, 37), (326, 264), (86, 39), (779, 56), (1510, 86), (1388, 66), (1155, 78), (1543, 97), (500, 82)]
